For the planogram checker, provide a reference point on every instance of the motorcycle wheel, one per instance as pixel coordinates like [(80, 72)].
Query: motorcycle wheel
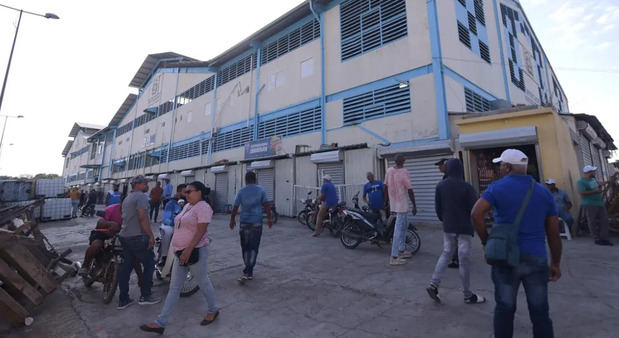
[(347, 241), (333, 228), (190, 286), (110, 282), (88, 280), (302, 217), (310, 220), (413, 241)]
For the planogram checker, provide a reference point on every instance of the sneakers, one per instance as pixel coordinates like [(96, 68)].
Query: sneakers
[(405, 255), (242, 279), (603, 242), (123, 305), (474, 299), (397, 261), (149, 300), (433, 293)]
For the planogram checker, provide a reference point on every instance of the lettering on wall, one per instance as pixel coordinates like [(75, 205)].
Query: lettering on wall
[(155, 89)]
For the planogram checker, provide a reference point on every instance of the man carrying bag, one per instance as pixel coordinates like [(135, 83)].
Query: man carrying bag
[(525, 215)]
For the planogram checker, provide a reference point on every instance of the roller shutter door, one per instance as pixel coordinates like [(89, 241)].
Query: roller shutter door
[(585, 148), (266, 178), (424, 178), (336, 171), (595, 154), (221, 192)]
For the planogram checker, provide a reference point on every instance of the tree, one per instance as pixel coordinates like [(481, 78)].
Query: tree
[(46, 176)]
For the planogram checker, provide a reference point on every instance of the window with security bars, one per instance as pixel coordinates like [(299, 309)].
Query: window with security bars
[(118, 166), (472, 27), (289, 42), (366, 25), (184, 151), (152, 158), (475, 102), (232, 139), (124, 129), (80, 152), (236, 69), (377, 103), (196, 91), (291, 124)]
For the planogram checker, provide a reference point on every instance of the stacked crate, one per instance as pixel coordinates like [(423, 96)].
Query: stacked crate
[(57, 206), (17, 192)]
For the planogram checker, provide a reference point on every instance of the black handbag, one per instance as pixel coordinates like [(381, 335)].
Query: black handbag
[(193, 259)]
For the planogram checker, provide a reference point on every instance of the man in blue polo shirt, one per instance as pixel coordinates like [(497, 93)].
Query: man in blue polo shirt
[(328, 199), (539, 222), (374, 196)]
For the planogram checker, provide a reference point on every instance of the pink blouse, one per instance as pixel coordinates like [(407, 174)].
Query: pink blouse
[(186, 225)]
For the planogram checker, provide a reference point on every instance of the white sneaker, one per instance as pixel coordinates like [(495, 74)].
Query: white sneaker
[(405, 255), (397, 261)]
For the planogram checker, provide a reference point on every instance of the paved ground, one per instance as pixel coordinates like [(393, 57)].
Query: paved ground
[(313, 287)]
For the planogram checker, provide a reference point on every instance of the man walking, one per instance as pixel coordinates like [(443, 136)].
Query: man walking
[(252, 199), (591, 200), (539, 219), (328, 199), (374, 196), (167, 191), (454, 199), (155, 201), (75, 201), (454, 264), (113, 196), (137, 241), (562, 201), (398, 185)]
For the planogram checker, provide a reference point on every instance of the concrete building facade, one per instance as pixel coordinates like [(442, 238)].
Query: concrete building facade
[(334, 87)]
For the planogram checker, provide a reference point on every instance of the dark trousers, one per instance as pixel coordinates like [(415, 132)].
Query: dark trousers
[(250, 234), (154, 207), (597, 218), (136, 247), (533, 274)]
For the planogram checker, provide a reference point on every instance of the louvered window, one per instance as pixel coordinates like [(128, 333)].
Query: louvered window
[(124, 129), (475, 102), (186, 150), (196, 91), (484, 51), (510, 22), (377, 103), (479, 11), (289, 42), (236, 69), (463, 35), (368, 24), (472, 27), (291, 124), (233, 139)]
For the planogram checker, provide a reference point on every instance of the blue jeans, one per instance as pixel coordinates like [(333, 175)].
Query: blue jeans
[(399, 234), (250, 234), (533, 273), (74, 205), (135, 247), (198, 270)]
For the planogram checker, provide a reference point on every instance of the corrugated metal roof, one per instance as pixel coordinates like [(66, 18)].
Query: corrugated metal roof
[(143, 74), (85, 126), (129, 101), (599, 128), (67, 147)]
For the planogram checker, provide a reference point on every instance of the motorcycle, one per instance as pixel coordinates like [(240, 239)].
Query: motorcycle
[(334, 220), (308, 207), (104, 267), (274, 214), (163, 268), (360, 226), (88, 210)]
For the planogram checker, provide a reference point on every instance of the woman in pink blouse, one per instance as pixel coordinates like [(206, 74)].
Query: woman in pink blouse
[(190, 233)]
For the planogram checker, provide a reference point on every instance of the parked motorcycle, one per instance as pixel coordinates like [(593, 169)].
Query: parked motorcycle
[(274, 214), (309, 205), (334, 221), (104, 268), (360, 226), (88, 210)]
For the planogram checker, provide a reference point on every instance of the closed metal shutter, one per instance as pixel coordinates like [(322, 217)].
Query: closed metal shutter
[(266, 179), (335, 170), (424, 178), (595, 154), (221, 192), (585, 148)]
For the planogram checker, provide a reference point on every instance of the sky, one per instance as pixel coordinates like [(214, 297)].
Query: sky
[(77, 69)]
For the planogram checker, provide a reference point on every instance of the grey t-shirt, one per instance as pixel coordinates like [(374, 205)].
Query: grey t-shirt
[(131, 223)]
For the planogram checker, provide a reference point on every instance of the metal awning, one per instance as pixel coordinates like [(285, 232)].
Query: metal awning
[(186, 173), (260, 164), (432, 147), (327, 157), (498, 138)]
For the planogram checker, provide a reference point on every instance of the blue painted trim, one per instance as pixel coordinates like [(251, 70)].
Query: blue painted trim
[(500, 38), (393, 79), (413, 142), (234, 126), (236, 59), (258, 90), (156, 68), (288, 29), (103, 158), (213, 112), (384, 140), (437, 70), (173, 120), (201, 136), (312, 103), (111, 153), (459, 78), (199, 70), (323, 98)]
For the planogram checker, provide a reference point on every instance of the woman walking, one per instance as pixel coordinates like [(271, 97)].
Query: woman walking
[(190, 243)]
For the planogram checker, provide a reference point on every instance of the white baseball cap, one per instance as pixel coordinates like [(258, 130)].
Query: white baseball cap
[(550, 181), (512, 156), (589, 168), (326, 177)]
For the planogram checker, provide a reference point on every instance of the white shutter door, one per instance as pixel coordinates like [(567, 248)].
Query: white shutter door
[(585, 148), (266, 179), (221, 191), (424, 178), (595, 154), (335, 170)]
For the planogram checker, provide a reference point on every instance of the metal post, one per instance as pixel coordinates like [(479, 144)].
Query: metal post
[(6, 120), (8, 66)]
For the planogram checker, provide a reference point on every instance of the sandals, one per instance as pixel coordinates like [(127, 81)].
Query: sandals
[(205, 321)]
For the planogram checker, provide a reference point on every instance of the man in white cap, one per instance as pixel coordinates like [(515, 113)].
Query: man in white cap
[(591, 199), (562, 200), (328, 199), (539, 222)]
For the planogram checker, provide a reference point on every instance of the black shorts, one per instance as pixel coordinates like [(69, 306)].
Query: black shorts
[(97, 235)]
